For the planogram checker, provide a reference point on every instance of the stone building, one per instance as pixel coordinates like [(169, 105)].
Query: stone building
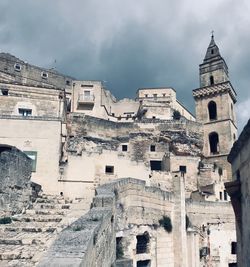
[(238, 190), (82, 138)]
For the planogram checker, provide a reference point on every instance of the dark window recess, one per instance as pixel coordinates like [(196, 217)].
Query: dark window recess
[(220, 195), (25, 112), (155, 165), (183, 169), (142, 243), (214, 143), (33, 156), (211, 80), (119, 248), (225, 195), (87, 85), (124, 148), (17, 67), (212, 110), (45, 75), (145, 263), (204, 252), (212, 51), (5, 91), (232, 264), (238, 175), (152, 148), (67, 82), (109, 169), (234, 248)]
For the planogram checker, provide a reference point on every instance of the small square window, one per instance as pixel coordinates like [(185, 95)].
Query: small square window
[(109, 169), (44, 75), (152, 148), (17, 67), (124, 147), (163, 95), (146, 95)]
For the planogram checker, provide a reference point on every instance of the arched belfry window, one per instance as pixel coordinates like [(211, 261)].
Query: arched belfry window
[(212, 110), (214, 143), (211, 80)]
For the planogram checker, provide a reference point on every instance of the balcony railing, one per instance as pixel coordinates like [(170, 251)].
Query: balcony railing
[(86, 98)]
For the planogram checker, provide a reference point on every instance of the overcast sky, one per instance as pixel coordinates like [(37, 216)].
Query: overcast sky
[(132, 43)]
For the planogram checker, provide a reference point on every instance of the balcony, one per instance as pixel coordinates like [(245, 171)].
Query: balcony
[(85, 101)]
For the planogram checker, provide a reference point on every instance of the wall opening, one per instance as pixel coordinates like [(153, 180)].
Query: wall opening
[(124, 147), (212, 110), (142, 243), (234, 248), (145, 263), (109, 169), (225, 195), (211, 80), (5, 92), (119, 248), (220, 195), (214, 143), (155, 165), (25, 112), (152, 148)]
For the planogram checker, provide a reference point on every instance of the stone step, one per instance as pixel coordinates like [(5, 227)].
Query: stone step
[(45, 212), (30, 229), (41, 219), (13, 242)]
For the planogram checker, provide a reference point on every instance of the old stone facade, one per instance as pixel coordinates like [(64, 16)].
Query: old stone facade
[(80, 138), (238, 189)]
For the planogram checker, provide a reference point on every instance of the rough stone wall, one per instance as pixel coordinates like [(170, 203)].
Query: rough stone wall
[(30, 74), (43, 102), (15, 174)]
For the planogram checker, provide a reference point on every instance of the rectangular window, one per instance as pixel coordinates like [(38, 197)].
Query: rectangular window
[(155, 165), (25, 112), (109, 169), (155, 96), (234, 248), (87, 93), (145, 263), (142, 243), (33, 156), (152, 148), (220, 195), (146, 95), (124, 148), (183, 169), (225, 195)]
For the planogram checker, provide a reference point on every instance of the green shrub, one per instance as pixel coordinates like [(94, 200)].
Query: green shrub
[(165, 222), (5, 220)]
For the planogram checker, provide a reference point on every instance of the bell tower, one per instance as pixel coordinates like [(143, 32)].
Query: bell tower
[(214, 101)]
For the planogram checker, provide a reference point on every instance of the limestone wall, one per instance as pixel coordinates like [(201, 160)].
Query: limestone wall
[(15, 174)]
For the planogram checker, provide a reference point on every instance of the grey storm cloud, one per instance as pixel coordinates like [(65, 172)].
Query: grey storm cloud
[(131, 44)]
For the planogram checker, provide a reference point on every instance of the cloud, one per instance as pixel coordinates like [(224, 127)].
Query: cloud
[(130, 44)]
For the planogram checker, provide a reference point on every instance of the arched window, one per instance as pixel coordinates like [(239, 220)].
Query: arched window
[(214, 143), (211, 80), (212, 110)]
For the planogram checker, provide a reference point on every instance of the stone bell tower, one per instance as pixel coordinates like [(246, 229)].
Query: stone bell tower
[(215, 109)]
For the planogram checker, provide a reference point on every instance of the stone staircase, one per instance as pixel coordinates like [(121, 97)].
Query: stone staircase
[(30, 234)]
